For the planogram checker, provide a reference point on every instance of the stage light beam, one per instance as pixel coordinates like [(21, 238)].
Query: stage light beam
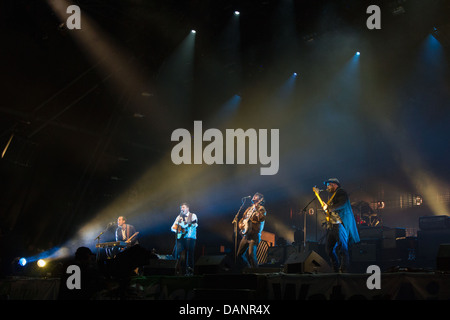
[(116, 62)]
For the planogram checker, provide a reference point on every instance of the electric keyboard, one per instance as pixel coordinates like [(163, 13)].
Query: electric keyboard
[(111, 244)]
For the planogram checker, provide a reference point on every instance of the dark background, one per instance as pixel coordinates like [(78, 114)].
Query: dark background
[(91, 122)]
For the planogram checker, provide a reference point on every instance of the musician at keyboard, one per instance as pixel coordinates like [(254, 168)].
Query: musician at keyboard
[(125, 233)]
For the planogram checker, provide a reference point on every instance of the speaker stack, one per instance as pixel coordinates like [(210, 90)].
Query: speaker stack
[(434, 232), (443, 257)]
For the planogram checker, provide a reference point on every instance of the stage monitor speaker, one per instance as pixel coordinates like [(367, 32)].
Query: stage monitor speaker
[(306, 262), (443, 257), (165, 267), (211, 264)]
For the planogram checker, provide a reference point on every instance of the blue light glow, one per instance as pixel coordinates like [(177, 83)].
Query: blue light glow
[(22, 262)]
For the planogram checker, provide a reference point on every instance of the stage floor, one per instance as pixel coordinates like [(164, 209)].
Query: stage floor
[(251, 287)]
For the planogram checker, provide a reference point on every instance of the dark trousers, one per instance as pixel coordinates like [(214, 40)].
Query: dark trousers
[(337, 247), (187, 245), (247, 251)]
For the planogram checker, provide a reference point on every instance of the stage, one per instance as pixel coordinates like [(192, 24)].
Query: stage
[(384, 265), (147, 105), (402, 285)]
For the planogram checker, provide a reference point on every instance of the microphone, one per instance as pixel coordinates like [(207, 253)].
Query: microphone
[(111, 224), (247, 197)]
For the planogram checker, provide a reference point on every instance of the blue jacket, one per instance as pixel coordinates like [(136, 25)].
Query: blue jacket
[(341, 205)]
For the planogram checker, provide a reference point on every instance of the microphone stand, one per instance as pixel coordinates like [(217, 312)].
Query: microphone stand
[(98, 242), (178, 264), (235, 222), (304, 222)]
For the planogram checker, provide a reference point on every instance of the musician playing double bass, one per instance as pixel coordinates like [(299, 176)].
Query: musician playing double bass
[(251, 225), (185, 228)]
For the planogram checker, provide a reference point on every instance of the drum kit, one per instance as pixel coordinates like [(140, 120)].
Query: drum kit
[(367, 214)]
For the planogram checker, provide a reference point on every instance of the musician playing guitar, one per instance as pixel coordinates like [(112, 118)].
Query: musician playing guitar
[(126, 232), (185, 228), (251, 226), (341, 224)]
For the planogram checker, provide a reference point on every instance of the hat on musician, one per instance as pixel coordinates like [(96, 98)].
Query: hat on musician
[(332, 180)]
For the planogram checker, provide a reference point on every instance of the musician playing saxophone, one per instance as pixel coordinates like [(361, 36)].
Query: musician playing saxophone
[(251, 225)]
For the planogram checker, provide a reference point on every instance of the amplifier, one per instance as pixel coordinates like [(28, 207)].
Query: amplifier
[(371, 232), (443, 257), (434, 222), (364, 252)]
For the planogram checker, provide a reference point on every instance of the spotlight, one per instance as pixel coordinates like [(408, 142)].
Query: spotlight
[(193, 31), (236, 13), (22, 262), (358, 53), (295, 74), (41, 263)]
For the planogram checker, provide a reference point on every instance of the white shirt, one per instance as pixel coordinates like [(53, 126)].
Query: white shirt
[(191, 230)]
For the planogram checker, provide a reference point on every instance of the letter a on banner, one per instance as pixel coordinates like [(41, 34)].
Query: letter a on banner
[(374, 280), (74, 21), (74, 280), (374, 21)]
